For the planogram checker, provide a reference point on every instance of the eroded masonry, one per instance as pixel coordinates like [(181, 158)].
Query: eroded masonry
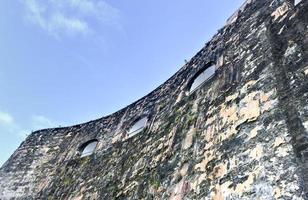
[(230, 124)]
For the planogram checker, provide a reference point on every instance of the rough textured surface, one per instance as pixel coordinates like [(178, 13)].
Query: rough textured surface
[(242, 135)]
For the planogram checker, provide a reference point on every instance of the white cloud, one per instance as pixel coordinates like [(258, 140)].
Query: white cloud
[(6, 118), (37, 122), (9, 126), (41, 122), (70, 17), (13, 130), (67, 25)]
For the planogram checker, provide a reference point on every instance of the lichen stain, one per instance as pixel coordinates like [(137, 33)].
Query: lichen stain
[(254, 132), (184, 170), (171, 139), (306, 125), (292, 49), (280, 11), (188, 141), (247, 86), (209, 133), (278, 141), (220, 171), (227, 134), (257, 152), (248, 184), (130, 187), (306, 70), (78, 198), (266, 103), (283, 151), (251, 109), (228, 114), (116, 138), (210, 120), (232, 97), (266, 106), (180, 97), (232, 163), (180, 190), (277, 192), (209, 156), (218, 194), (264, 97)]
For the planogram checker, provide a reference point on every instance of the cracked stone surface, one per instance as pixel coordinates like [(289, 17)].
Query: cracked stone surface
[(242, 135)]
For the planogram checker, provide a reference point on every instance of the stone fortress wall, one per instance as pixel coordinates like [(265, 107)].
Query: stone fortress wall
[(242, 135)]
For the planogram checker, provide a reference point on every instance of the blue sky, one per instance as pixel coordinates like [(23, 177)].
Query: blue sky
[(64, 62)]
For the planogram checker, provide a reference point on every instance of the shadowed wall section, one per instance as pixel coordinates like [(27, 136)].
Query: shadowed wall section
[(240, 135)]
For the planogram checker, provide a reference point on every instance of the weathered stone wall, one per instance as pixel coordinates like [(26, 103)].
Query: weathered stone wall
[(242, 135)]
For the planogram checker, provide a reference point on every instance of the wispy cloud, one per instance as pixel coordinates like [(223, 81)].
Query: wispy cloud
[(9, 126), (41, 122), (12, 131), (6, 118), (70, 17)]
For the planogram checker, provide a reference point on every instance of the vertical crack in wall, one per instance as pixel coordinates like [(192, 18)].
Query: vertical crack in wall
[(287, 100)]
